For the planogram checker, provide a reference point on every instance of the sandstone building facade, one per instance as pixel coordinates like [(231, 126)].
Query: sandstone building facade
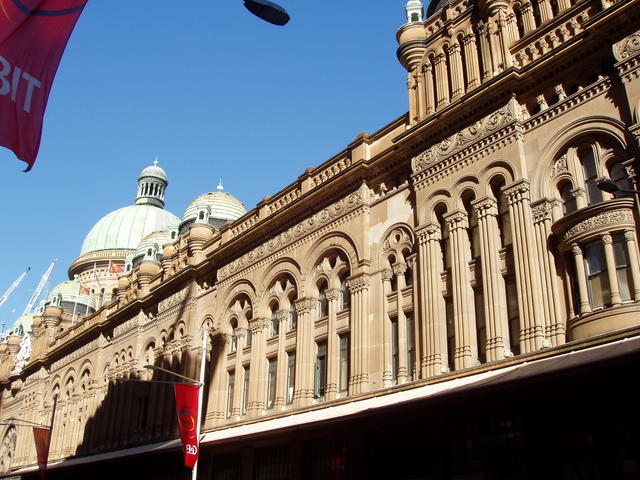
[(463, 246)]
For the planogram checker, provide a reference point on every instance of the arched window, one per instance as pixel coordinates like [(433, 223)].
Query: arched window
[(565, 190), (323, 302), (590, 172), (274, 323), (345, 294)]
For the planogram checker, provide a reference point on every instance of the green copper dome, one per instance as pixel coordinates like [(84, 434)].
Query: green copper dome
[(125, 228), (66, 294), (214, 208)]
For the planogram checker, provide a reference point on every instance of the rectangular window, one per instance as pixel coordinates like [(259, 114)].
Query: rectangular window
[(597, 279), (411, 347), (248, 339), (321, 370), (291, 376), (245, 390), (481, 327), (623, 272), (394, 349), (344, 362), (230, 386), (293, 318), (451, 332), (345, 296), (513, 314), (271, 382), (234, 343), (275, 325)]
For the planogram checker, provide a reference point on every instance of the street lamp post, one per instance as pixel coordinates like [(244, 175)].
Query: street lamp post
[(607, 185), (268, 11)]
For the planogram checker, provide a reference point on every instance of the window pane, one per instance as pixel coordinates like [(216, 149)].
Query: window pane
[(232, 381), (394, 348), (411, 351), (291, 375), (271, 383), (344, 362), (245, 390), (623, 271)]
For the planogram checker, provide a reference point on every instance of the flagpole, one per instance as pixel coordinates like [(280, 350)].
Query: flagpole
[(203, 359), (106, 283), (75, 304), (53, 418)]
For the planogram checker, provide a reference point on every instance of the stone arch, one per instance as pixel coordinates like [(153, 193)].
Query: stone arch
[(285, 265), (334, 240), (390, 243), (489, 174), (596, 126)]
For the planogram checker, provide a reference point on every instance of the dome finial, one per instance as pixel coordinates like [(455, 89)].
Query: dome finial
[(219, 187), (152, 183), (415, 11)]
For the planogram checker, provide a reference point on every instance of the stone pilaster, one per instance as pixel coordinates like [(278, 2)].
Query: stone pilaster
[(387, 374), (333, 345), (434, 359), (359, 381), (466, 352), (303, 392), (494, 294), (257, 382), (542, 213), (281, 377), (526, 266)]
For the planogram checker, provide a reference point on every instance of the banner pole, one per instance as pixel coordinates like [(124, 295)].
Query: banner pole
[(203, 359), (53, 418)]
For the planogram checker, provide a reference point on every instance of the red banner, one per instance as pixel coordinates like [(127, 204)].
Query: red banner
[(33, 36), (187, 407), (42, 438)]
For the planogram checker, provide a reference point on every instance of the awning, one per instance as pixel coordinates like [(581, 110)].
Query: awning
[(557, 364)]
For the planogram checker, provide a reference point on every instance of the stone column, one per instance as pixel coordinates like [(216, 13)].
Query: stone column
[(485, 53), (303, 392), (429, 88), (281, 377), (466, 353), (471, 60), (359, 381), (442, 81), (554, 318), (494, 294), (607, 243), (413, 98), (387, 374), (257, 382), (528, 19), (455, 65), (583, 291), (563, 5), (238, 389), (333, 345), (434, 359), (216, 409), (526, 266), (630, 239), (544, 7), (420, 91), (503, 36)]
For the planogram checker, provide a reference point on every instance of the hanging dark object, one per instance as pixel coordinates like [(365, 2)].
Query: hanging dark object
[(268, 11)]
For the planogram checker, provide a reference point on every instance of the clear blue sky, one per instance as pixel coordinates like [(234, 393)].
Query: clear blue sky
[(211, 90)]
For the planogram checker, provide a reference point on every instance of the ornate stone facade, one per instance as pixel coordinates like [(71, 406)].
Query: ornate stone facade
[(464, 237)]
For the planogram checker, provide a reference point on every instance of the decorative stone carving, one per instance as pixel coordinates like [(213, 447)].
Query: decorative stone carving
[(486, 207), (332, 294), (305, 305), (258, 325), (559, 166), (298, 231), (491, 123), (517, 192), (628, 47), (603, 219), (358, 284), (386, 275), (541, 212)]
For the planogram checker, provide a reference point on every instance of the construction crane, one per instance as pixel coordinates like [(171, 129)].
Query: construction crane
[(13, 286), (39, 288)]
